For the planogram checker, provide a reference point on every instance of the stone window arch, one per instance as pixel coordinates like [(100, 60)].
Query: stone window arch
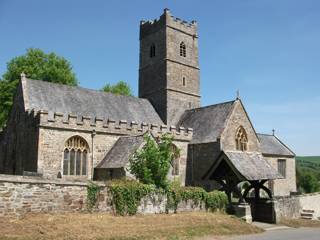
[(175, 162), (183, 52), (241, 139), (75, 156), (152, 50)]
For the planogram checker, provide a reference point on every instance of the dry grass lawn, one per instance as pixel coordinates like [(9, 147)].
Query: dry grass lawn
[(296, 223), (106, 226)]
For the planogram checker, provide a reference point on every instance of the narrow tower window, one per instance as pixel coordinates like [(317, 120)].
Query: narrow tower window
[(152, 50), (241, 139), (183, 81), (183, 49)]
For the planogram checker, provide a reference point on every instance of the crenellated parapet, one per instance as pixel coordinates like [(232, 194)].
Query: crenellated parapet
[(166, 19), (49, 119)]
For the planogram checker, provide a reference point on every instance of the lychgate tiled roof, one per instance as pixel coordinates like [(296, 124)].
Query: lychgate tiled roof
[(54, 97), (271, 145), (207, 122), (121, 152), (250, 166)]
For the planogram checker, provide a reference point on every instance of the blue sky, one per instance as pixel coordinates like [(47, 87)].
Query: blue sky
[(268, 49)]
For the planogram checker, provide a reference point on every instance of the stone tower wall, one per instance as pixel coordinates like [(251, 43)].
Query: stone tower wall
[(161, 76)]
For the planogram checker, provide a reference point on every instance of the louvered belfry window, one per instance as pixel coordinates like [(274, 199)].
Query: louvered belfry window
[(183, 52), (152, 50), (241, 139), (75, 156)]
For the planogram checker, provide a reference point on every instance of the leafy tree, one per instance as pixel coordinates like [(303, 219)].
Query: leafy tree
[(120, 88), (151, 164), (307, 181), (36, 65)]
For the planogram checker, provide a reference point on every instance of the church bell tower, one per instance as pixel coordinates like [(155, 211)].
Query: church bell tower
[(169, 66)]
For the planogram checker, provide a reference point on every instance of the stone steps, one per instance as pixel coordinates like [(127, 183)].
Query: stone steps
[(306, 214)]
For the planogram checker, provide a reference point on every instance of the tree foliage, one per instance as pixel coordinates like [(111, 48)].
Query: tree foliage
[(151, 164), (307, 181), (37, 65), (120, 88)]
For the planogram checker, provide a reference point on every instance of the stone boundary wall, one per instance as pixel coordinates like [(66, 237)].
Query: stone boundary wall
[(291, 206), (20, 195)]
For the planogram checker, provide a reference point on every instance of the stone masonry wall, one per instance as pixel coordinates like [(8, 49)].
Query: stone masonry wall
[(283, 187), (100, 135), (291, 207), (19, 139), (239, 118), (20, 195), (200, 158), (161, 76)]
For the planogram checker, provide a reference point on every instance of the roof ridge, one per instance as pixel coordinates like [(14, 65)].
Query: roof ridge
[(83, 88), (266, 134), (212, 105)]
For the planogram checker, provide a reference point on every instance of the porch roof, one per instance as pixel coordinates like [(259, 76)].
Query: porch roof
[(250, 166), (121, 152)]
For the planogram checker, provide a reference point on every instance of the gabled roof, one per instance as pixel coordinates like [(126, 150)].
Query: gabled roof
[(271, 145), (121, 152), (40, 95), (207, 122), (249, 166)]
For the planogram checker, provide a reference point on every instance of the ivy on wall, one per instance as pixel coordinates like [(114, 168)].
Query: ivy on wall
[(93, 191), (127, 195), (213, 201)]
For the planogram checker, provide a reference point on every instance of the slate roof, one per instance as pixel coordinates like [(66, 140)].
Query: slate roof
[(248, 165), (41, 95), (271, 145), (121, 152), (207, 122)]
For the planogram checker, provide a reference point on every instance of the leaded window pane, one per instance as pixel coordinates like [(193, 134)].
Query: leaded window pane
[(75, 156), (84, 163), (78, 162), (72, 162), (65, 162)]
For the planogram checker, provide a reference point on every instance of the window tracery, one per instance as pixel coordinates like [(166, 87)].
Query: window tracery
[(241, 139), (75, 156)]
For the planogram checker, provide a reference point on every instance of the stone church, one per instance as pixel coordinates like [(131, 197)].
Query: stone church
[(71, 133)]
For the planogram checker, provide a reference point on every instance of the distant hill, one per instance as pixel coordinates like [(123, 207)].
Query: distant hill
[(309, 163)]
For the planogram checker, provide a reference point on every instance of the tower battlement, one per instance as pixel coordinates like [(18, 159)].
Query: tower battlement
[(166, 19)]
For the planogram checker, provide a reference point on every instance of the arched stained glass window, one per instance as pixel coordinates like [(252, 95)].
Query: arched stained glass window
[(241, 139), (75, 156)]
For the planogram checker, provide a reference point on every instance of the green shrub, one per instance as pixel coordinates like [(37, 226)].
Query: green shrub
[(126, 195), (216, 200)]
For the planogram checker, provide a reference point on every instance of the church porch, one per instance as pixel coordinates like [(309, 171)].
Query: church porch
[(242, 176)]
